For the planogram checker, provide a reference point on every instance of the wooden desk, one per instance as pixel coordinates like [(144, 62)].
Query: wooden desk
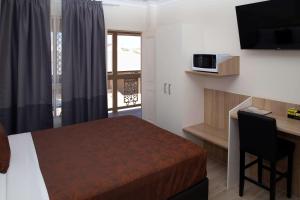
[(289, 128), (284, 124), (220, 133), (208, 133), (214, 128)]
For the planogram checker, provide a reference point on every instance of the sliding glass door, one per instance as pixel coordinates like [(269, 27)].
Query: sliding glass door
[(124, 70)]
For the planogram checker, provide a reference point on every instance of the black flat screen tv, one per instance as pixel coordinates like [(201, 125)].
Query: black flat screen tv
[(271, 24)]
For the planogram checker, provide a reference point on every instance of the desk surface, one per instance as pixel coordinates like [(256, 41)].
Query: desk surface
[(284, 124)]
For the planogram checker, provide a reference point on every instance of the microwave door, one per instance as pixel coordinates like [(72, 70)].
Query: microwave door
[(205, 63)]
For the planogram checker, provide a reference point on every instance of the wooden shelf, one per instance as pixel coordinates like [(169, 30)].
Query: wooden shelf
[(230, 67), (206, 73), (209, 133)]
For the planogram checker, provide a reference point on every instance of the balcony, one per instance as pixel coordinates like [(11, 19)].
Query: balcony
[(128, 92)]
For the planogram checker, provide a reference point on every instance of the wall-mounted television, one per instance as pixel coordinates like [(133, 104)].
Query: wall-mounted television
[(271, 24)]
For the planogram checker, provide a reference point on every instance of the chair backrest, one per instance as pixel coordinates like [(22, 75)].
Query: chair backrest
[(258, 135)]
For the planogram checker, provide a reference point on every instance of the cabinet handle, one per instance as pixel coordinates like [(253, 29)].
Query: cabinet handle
[(169, 89), (165, 88)]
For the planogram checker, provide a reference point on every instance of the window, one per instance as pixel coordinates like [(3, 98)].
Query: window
[(109, 61), (56, 66), (124, 70), (109, 53), (129, 53)]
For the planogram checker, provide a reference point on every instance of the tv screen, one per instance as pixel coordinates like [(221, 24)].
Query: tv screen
[(271, 24)]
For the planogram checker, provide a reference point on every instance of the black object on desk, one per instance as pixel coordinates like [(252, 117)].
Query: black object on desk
[(259, 137)]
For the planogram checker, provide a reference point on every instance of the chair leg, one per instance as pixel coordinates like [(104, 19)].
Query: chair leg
[(242, 172), (290, 175), (273, 181), (260, 170)]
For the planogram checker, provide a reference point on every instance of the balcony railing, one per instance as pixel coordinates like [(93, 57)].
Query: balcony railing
[(128, 92)]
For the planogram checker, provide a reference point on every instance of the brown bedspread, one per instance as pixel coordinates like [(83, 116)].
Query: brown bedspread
[(121, 158)]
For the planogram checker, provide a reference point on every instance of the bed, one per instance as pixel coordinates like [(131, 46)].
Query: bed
[(123, 158)]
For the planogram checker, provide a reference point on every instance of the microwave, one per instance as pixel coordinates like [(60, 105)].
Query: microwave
[(208, 62)]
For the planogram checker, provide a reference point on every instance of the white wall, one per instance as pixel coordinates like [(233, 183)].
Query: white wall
[(118, 15), (210, 26), (125, 17)]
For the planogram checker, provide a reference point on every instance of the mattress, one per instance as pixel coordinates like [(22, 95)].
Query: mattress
[(119, 158)]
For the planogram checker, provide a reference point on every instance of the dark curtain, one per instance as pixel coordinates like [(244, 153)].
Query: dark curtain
[(84, 92), (25, 65)]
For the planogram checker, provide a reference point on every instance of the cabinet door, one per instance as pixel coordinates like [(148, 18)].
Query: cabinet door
[(169, 76)]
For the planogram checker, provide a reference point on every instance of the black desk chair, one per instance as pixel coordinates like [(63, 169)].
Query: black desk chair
[(258, 136)]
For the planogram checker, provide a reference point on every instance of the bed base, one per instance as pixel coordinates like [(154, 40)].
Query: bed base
[(196, 192)]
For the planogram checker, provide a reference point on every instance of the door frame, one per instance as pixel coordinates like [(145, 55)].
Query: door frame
[(114, 73)]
